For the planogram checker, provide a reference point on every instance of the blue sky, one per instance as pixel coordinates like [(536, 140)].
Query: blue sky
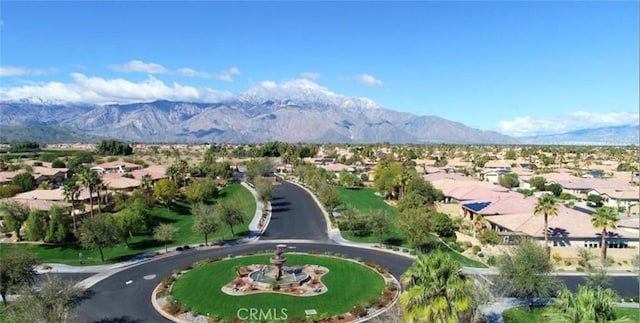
[(511, 66)]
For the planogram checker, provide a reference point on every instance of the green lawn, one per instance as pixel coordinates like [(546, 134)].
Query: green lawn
[(523, 315), (178, 215), (365, 199), (348, 284)]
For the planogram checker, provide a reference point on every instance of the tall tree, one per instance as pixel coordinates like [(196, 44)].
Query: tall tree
[(204, 220), (379, 223), (264, 188), (98, 232), (16, 269), (165, 190), (230, 214), (59, 227), (36, 225), (146, 183), (165, 232), (90, 180), (25, 181), (525, 272), (71, 192), (546, 207), (436, 291), (131, 220), (604, 217), (15, 214), (328, 196), (415, 224), (54, 301)]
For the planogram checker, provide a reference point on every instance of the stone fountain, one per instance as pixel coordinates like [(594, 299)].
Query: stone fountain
[(278, 260)]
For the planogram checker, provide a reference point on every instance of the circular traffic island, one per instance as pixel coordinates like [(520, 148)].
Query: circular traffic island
[(321, 287)]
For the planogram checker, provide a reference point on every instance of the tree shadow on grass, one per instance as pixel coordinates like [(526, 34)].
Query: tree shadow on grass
[(180, 208), (394, 241), (145, 244), (156, 220)]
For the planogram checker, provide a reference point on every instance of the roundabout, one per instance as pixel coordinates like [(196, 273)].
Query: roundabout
[(342, 291), (122, 295)]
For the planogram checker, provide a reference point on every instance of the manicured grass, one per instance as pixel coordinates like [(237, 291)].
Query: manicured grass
[(178, 215), (348, 284), (464, 261), (523, 315), (365, 199)]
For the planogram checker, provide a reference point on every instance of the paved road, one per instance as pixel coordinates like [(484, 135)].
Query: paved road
[(125, 296), (295, 215), (113, 300)]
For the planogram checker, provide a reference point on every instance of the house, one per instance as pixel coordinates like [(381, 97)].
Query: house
[(156, 173), (497, 164), (52, 175), (493, 176), (116, 182), (622, 197), (512, 217), (115, 167)]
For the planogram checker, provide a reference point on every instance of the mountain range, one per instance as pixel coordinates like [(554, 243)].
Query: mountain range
[(296, 115)]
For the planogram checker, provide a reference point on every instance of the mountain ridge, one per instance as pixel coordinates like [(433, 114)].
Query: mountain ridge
[(256, 118)]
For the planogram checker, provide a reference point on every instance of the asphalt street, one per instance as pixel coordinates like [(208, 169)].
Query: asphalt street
[(125, 296), (295, 215)]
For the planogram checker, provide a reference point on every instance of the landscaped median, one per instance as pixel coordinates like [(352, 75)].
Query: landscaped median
[(354, 291), (365, 199)]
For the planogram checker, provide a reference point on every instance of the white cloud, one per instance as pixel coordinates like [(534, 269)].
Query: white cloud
[(19, 71), (228, 74), (310, 76), (139, 66), (84, 89), (530, 126), (154, 68), (269, 84), (369, 80)]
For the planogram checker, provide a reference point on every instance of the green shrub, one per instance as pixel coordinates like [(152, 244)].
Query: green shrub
[(491, 261), (467, 244), (489, 237), (480, 254), (579, 269), (556, 256), (567, 262), (476, 249)]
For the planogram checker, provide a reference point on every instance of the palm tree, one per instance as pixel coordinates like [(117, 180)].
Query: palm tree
[(604, 217), (588, 305), (71, 191), (436, 291), (546, 206), (90, 180), (146, 182)]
